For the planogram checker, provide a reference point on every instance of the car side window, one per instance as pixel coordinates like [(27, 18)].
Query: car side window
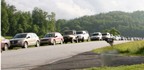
[(33, 35)]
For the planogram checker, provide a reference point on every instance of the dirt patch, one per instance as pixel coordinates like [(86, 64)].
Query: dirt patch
[(90, 59)]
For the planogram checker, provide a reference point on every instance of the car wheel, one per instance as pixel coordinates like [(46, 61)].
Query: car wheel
[(76, 40), (25, 45), (82, 39), (72, 41), (88, 39), (37, 44), (54, 42), (65, 42), (61, 42), (5, 47)]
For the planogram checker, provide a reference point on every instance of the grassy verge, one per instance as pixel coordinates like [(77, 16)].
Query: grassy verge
[(131, 67), (130, 48)]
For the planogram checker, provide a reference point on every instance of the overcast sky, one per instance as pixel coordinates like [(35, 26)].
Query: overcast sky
[(69, 9)]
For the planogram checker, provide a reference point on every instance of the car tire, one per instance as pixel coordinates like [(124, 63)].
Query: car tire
[(37, 44), (5, 47), (76, 41), (25, 45), (54, 42), (88, 39), (61, 42), (82, 40), (65, 42), (72, 41)]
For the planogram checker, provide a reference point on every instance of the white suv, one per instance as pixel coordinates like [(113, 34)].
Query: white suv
[(96, 36), (83, 35), (25, 39), (106, 35)]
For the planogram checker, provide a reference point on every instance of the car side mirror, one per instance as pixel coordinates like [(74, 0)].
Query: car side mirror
[(28, 37)]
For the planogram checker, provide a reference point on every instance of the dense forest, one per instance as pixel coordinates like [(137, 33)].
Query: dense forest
[(128, 24), (14, 21), (41, 22)]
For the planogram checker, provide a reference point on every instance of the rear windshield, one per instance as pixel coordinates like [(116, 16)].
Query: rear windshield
[(68, 32), (20, 35), (50, 35), (104, 34), (95, 34), (79, 32)]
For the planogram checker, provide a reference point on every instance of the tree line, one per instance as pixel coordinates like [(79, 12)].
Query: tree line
[(14, 21), (126, 24), (41, 22)]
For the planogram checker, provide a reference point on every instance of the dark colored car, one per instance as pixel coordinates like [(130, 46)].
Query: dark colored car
[(70, 36), (5, 44), (52, 38)]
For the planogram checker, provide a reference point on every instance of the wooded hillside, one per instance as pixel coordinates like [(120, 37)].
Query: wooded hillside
[(129, 24)]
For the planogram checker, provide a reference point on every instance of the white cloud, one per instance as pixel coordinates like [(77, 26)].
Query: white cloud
[(68, 9), (74, 10)]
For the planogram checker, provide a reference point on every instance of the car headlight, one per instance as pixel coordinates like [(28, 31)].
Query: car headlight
[(18, 41)]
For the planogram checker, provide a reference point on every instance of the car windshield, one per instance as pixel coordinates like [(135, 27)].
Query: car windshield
[(49, 35), (104, 34), (68, 32), (95, 34), (79, 32), (20, 35)]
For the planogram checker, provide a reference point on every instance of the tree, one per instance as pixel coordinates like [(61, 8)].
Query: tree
[(52, 22), (59, 24), (4, 15), (39, 18), (114, 32)]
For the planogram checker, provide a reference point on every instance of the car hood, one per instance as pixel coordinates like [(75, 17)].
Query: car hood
[(4, 40)]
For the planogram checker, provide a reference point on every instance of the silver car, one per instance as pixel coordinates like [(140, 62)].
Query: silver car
[(25, 39)]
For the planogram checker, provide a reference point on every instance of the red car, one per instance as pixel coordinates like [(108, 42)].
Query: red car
[(52, 38), (5, 44)]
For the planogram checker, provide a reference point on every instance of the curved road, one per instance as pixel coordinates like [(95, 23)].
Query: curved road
[(25, 59)]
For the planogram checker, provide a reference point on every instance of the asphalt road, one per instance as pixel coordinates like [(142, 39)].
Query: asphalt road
[(25, 59)]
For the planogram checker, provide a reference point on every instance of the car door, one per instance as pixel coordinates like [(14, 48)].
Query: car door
[(34, 39), (28, 39), (58, 38)]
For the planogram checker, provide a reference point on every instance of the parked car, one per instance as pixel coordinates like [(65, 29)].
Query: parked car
[(123, 38), (25, 39), (5, 43), (106, 35), (83, 35), (117, 37), (96, 36), (70, 36), (52, 38)]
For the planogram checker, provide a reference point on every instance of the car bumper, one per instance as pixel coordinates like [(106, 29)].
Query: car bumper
[(95, 38), (45, 42)]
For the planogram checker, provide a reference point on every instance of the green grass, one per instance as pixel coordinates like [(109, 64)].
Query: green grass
[(131, 67), (130, 48)]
